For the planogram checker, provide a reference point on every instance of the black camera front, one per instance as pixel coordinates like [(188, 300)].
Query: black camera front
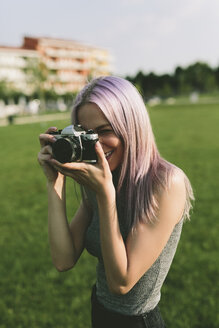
[(73, 144)]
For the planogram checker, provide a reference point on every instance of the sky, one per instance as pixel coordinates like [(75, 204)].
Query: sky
[(155, 35)]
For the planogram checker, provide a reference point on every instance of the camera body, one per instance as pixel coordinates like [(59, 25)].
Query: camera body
[(74, 144)]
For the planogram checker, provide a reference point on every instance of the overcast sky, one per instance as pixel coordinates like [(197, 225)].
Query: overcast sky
[(155, 35)]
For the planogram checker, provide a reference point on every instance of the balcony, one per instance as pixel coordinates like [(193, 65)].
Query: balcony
[(67, 64), (63, 53), (12, 74), (12, 61), (70, 77)]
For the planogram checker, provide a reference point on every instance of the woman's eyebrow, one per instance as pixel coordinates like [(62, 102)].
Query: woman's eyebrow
[(102, 126)]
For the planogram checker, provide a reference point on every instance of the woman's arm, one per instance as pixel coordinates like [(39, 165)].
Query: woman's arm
[(126, 263), (66, 240)]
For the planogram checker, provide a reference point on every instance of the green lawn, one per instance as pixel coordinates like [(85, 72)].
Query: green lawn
[(34, 294)]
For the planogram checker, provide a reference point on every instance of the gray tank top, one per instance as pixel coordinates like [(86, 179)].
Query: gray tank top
[(146, 293)]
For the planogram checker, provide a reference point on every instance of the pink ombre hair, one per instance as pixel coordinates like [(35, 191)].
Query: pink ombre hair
[(143, 171)]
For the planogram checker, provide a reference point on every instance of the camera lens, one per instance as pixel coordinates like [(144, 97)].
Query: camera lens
[(63, 151)]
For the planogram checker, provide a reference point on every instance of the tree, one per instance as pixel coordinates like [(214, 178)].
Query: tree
[(196, 77), (37, 76), (200, 77)]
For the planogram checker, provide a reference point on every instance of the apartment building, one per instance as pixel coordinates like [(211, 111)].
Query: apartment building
[(69, 64), (13, 62)]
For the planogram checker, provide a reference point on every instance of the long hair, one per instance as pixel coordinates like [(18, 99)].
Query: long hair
[(143, 171)]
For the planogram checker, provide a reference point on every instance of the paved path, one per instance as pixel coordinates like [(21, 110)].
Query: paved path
[(37, 118)]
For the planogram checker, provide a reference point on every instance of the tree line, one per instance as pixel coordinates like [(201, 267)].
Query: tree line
[(198, 77)]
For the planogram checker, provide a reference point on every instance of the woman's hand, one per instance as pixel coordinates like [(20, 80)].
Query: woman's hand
[(97, 177), (45, 155)]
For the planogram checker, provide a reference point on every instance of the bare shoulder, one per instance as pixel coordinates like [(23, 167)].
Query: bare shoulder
[(177, 179), (172, 200), (173, 181)]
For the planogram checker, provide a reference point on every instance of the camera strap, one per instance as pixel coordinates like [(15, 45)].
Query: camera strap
[(81, 147)]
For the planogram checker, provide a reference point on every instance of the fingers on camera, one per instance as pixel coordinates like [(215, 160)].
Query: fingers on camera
[(47, 150), (46, 139), (51, 129), (43, 158)]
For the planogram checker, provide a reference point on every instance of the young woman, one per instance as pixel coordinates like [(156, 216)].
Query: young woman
[(133, 206)]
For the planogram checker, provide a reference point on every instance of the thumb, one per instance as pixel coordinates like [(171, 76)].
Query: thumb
[(100, 152)]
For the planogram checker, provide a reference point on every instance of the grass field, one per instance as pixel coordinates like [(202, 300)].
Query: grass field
[(34, 294)]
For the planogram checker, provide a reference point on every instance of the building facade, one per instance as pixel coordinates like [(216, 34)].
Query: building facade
[(67, 65), (13, 63)]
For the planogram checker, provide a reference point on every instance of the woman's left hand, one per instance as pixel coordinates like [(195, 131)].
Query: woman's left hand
[(97, 177)]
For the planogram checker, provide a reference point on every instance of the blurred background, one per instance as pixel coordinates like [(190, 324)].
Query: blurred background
[(48, 52)]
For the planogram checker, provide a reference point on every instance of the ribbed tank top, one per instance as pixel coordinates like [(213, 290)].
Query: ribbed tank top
[(146, 293)]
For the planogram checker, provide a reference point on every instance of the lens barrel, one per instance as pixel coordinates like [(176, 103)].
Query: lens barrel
[(63, 150)]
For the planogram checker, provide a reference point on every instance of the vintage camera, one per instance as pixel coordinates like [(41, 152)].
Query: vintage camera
[(74, 144)]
